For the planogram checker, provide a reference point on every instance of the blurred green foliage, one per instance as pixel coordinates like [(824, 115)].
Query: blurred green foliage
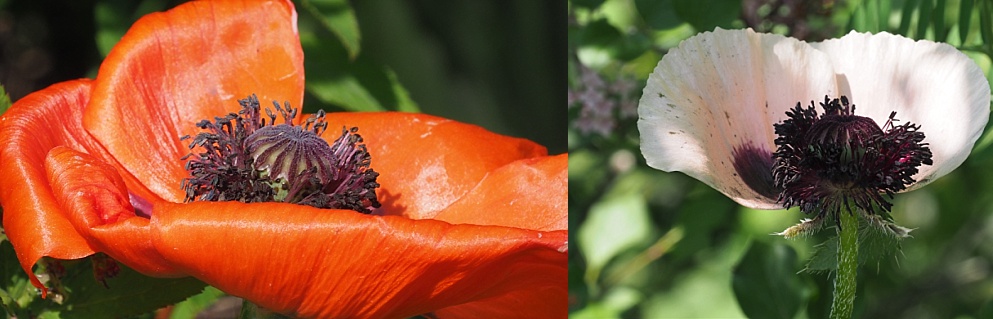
[(651, 244), (497, 64)]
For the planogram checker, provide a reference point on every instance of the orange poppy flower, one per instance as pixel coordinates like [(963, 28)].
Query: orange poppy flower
[(472, 224)]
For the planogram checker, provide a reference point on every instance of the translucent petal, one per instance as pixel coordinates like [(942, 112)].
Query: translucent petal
[(927, 83), (33, 220), (722, 91), (426, 163), (530, 193), (175, 68)]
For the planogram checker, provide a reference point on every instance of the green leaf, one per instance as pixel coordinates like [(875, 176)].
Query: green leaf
[(613, 226), (193, 305), (874, 246), (112, 20), (870, 14), (337, 17), (82, 296), (592, 4), (127, 294), (883, 14), (404, 102), (987, 310), (923, 18), (965, 17), (862, 20), (343, 90), (986, 24), (765, 281), (702, 230), (906, 14), (658, 14), (16, 291), (114, 17), (600, 35), (335, 80), (938, 21), (614, 303), (5, 103), (252, 311), (704, 15)]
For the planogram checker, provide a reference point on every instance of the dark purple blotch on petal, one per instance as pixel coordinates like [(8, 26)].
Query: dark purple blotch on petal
[(754, 167), (142, 207)]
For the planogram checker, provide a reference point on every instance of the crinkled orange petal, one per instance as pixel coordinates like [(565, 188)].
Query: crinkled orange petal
[(539, 302), (530, 193), (315, 263), (33, 220), (194, 62), (97, 204), (69, 174), (425, 162)]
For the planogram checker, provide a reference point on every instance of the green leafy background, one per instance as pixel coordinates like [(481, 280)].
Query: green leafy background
[(497, 64), (651, 244)]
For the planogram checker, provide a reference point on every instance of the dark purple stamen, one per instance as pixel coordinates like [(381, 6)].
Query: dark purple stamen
[(246, 159), (839, 159)]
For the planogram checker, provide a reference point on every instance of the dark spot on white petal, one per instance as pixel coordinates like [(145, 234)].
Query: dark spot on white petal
[(754, 166)]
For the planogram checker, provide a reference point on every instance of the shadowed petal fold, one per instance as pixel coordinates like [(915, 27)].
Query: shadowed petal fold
[(175, 68), (708, 108), (33, 220), (97, 203), (309, 262)]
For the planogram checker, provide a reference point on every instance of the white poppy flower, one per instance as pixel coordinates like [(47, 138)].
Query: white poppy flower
[(713, 105)]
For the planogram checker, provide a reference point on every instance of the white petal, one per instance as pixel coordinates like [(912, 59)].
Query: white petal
[(927, 83), (723, 90)]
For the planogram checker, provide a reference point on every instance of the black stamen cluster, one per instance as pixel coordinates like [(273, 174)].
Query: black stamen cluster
[(829, 161), (244, 158)]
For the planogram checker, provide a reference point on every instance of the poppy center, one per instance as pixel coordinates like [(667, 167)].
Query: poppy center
[(837, 159), (245, 158)]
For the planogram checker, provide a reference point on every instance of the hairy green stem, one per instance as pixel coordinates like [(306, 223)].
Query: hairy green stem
[(844, 281)]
